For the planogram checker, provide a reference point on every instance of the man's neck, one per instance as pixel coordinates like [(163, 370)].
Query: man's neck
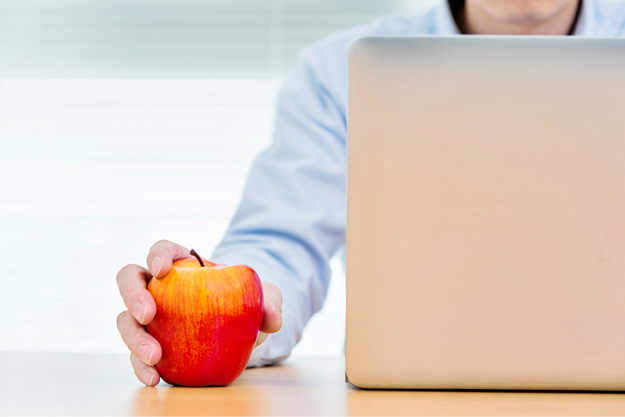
[(473, 19)]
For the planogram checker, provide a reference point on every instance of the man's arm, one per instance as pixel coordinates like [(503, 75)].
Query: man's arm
[(291, 218)]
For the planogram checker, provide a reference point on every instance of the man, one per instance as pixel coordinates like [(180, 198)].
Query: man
[(291, 219)]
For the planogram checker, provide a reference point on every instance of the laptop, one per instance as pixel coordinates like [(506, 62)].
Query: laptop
[(486, 213)]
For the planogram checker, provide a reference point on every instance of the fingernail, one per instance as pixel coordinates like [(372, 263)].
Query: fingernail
[(145, 353), (157, 264), (149, 377), (139, 311), (278, 309)]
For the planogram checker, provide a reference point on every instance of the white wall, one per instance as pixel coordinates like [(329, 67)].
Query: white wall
[(92, 172), (108, 144)]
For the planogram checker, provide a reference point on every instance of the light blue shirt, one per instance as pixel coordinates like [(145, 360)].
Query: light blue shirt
[(292, 216)]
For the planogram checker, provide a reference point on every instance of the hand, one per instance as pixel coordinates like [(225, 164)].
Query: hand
[(132, 281)]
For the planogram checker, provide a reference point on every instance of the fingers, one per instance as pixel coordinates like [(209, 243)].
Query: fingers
[(146, 374), (162, 254), (261, 338), (132, 281), (272, 322), (140, 342)]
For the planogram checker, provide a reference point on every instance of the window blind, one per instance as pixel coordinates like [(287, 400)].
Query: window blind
[(126, 122)]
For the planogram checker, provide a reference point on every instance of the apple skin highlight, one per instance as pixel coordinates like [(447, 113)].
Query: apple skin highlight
[(207, 321)]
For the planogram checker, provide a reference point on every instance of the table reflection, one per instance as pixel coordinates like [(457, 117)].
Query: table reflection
[(382, 402), (170, 400)]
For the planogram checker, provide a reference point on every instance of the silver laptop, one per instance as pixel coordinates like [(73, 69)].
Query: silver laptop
[(486, 213)]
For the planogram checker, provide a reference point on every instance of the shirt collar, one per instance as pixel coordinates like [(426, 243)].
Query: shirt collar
[(445, 22), (585, 23)]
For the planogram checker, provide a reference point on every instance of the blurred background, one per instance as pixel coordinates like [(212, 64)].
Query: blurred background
[(126, 122)]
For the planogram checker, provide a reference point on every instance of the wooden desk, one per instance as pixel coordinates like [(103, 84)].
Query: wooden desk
[(103, 384)]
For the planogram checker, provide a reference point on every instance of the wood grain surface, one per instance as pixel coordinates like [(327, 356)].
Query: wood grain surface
[(104, 384)]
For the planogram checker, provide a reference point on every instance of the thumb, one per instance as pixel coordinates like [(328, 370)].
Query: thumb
[(162, 255), (272, 321)]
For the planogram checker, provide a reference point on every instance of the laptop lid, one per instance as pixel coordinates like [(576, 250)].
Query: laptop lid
[(486, 213)]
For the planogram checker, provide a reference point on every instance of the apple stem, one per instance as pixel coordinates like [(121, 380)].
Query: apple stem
[(194, 253)]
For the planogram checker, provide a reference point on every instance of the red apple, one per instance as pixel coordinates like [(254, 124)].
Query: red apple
[(207, 320)]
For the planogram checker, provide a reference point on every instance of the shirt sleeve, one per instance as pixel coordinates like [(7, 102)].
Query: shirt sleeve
[(291, 219)]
